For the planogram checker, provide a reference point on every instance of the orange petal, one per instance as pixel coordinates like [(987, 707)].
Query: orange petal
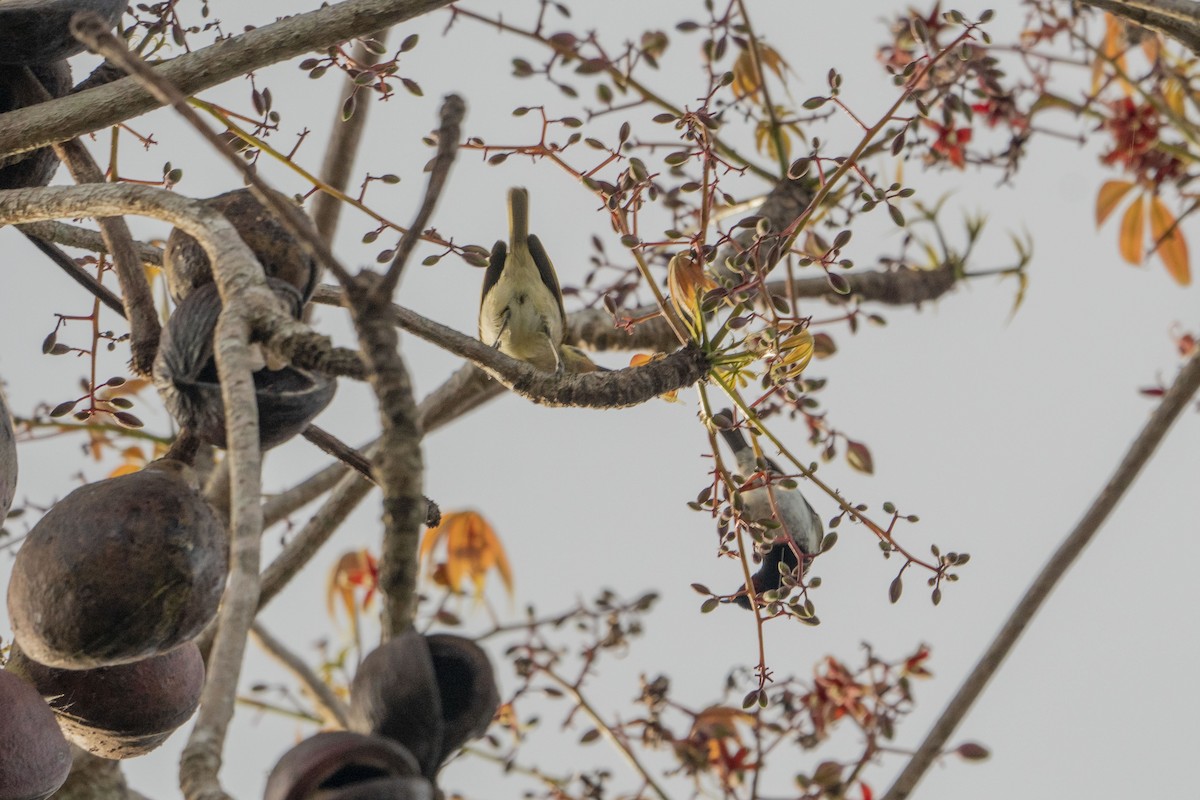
[(1109, 197), (1169, 242), (1131, 241)]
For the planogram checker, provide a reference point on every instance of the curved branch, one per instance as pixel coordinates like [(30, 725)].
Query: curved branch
[(90, 110), (1173, 403)]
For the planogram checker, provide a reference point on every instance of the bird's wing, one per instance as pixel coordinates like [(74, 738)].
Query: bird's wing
[(495, 267), (546, 270)]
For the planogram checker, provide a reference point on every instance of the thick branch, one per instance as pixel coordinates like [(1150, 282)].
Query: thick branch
[(285, 335), (1179, 19), (1173, 403), (93, 109), (616, 389), (85, 239)]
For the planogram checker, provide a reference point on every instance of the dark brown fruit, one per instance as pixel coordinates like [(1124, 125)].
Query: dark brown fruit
[(341, 765), (8, 459), (430, 694), (187, 265), (37, 31), (185, 373), (35, 168), (35, 758), (467, 687), (118, 571), (122, 711)]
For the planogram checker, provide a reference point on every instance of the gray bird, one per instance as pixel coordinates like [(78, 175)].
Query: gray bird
[(796, 517), (521, 310)]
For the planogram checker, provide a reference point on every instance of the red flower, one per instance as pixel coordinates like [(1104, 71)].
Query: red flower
[(951, 143)]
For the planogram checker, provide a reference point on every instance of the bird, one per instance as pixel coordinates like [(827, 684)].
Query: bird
[(521, 309), (797, 519)]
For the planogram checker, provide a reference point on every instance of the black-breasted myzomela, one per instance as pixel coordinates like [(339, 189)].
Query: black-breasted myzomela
[(768, 500)]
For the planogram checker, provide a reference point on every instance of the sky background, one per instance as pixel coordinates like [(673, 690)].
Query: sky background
[(998, 432)]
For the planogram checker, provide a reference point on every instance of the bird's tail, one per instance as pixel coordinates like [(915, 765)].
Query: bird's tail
[(518, 216), (732, 436)]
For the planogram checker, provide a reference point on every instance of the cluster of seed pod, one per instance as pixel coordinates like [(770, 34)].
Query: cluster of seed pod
[(185, 371), (414, 702), (34, 34), (112, 583)]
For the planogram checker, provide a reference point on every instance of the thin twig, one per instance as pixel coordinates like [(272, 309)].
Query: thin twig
[(453, 110), (74, 271), (75, 114), (91, 30), (138, 301), (1176, 399), (330, 707), (328, 443), (342, 148), (344, 498)]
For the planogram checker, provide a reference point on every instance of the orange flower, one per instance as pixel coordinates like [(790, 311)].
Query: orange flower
[(356, 569), (472, 550)]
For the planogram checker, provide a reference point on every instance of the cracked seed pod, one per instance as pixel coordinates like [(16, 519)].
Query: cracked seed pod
[(36, 758), (186, 376), (467, 687), (118, 571), (121, 711), (8, 459), (38, 31), (35, 168), (281, 256), (340, 765), (431, 694)]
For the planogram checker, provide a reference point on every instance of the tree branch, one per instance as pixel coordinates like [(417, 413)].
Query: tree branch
[(342, 148), (90, 110), (1187, 383), (398, 465), (1179, 19), (332, 710)]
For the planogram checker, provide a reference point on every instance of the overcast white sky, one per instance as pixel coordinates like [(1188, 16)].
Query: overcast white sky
[(997, 433)]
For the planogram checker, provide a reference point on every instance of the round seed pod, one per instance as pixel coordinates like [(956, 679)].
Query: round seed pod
[(121, 711), (38, 31), (466, 686), (340, 765), (37, 759), (37, 167), (281, 256), (430, 694), (185, 373), (8, 459), (118, 571)]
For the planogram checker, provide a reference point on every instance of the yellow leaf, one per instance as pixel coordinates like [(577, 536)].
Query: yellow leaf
[(719, 722), (747, 81), (128, 468), (1169, 242), (1131, 241), (1173, 95), (1109, 197), (687, 282), (764, 141), (472, 550)]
